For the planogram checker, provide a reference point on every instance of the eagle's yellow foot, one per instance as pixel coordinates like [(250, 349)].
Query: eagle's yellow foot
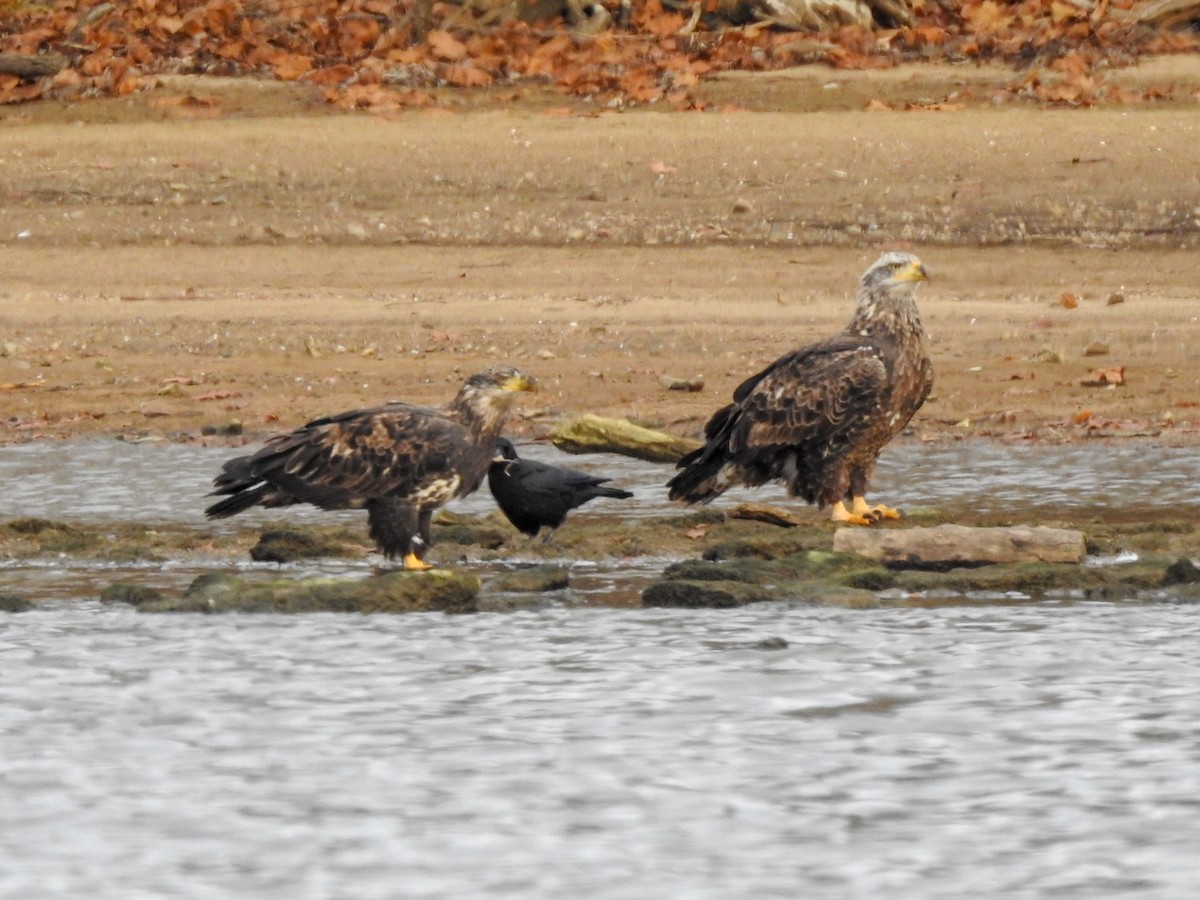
[(860, 507), (415, 563), (841, 514)]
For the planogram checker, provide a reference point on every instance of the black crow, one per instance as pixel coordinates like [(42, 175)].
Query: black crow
[(534, 494)]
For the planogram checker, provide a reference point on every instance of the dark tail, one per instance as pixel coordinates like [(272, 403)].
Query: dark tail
[(614, 493), (697, 478), (238, 502)]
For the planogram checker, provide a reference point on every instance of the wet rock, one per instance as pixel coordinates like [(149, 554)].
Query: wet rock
[(769, 544), (133, 594), (469, 531), (595, 434), (744, 571), (14, 603), (393, 592), (955, 545), (690, 594), (533, 580), (1182, 571), (287, 545), (51, 537), (1026, 578)]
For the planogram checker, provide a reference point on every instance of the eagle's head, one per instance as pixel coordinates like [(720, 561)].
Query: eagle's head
[(893, 273), (885, 295), (484, 400)]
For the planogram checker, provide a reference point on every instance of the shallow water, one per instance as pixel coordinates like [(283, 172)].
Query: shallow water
[(96, 481), (947, 753), (776, 750), (163, 482)]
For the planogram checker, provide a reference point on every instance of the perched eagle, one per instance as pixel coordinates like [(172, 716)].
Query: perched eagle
[(399, 462), (818, 417), (533, 494)]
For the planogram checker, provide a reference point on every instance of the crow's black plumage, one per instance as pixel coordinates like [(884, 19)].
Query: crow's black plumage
[(535, 495)]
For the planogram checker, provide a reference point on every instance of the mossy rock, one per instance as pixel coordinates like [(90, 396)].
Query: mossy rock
[(689, 594), (393, 592), (52, 537), (286, 545), (132, 594), (770, 543), (533, 580), (14, 603), (750, 570)]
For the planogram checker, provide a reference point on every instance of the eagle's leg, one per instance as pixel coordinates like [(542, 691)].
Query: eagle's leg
[(414, 559), (860, 507), (395, 526), (841, 514)]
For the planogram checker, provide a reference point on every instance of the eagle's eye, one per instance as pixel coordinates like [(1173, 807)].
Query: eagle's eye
[(896, 265)]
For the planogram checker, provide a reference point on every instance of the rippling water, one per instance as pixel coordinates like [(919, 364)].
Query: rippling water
[(164, 482), (947, 753)]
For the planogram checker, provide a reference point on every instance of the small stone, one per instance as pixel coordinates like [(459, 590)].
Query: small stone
[(1096, 348), (742, 205), (1115, 298), (1048, 355), (688, 385), (545, 354)]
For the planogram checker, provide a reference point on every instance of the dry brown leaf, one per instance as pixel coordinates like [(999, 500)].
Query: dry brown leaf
[(1114, 375)]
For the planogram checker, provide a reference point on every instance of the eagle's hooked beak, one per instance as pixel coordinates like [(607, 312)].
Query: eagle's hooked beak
[(520, 382), (914, 271)]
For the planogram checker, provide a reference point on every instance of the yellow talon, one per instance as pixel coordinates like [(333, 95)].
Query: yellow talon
[(874, 513), (414, 562), (841, 514)]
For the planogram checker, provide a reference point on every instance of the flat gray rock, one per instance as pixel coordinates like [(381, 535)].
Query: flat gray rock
[(949, 545)]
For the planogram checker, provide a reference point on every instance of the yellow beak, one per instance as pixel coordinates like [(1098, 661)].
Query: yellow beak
[(520, 383), (914, 271)]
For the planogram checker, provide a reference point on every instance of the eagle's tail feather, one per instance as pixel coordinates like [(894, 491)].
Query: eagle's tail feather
[(697, 481), (237, 502)]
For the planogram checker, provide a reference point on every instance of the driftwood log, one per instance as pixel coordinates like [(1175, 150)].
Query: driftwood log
[(31, 67), (596, 434), (1165, 13), (959, 545)]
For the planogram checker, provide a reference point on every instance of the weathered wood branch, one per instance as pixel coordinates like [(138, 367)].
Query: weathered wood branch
[(31, 67)]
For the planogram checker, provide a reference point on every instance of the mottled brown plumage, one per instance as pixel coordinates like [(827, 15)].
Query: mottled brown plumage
[(818, 417), (399, 462)]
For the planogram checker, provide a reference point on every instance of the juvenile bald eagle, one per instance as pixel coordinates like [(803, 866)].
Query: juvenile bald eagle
[(533, 494), (399, 462), (818, 417)]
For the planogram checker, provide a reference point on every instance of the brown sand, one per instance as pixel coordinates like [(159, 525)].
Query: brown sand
[(165, 270)]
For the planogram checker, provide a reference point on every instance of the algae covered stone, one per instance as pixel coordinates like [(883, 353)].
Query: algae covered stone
[(436, 590)]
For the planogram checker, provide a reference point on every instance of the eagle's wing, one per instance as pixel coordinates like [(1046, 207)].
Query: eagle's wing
[(388, 450), (819, 398)]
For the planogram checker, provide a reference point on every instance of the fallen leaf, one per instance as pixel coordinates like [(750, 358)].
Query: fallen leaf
[(1112, 376), (658, 167)]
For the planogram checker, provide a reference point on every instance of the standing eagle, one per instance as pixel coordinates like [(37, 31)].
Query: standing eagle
[(399, 462), (818, 417)]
